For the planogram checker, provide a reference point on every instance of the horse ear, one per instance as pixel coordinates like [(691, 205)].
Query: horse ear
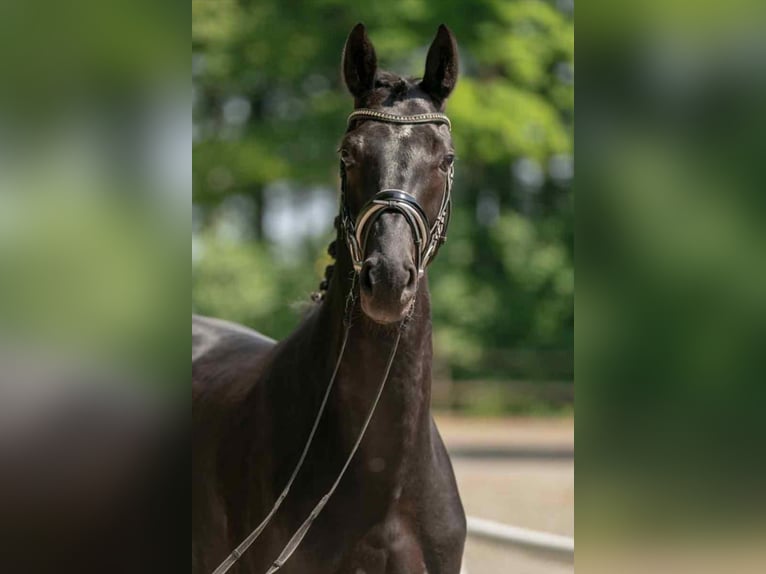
[(441, 66), (359, 62)]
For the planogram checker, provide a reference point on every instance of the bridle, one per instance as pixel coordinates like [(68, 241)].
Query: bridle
[(428, 239)]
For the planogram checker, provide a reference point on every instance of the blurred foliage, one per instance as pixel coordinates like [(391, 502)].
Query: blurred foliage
[(270, 107), (672, 287)]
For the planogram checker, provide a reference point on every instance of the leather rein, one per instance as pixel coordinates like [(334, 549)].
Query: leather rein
[(428, 238)]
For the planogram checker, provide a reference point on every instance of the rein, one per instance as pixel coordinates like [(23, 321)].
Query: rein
[(428, 239)]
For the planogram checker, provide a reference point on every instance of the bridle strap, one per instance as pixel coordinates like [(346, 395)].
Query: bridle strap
[(396, 200), (428, 236), (427, 118)]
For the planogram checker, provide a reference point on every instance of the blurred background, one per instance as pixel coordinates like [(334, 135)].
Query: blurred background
[(95, 180), (671, 300), (269, 109)]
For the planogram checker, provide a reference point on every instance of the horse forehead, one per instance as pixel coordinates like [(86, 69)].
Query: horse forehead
[(404, 149), (390, 140), (399, 134)]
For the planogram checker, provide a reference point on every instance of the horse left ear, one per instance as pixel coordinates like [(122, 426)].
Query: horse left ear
[(441, 66), (359, 62)]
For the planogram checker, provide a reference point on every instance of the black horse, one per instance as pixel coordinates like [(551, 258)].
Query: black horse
[(397, 508)]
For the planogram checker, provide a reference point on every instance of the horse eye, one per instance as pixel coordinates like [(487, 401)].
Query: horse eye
[(346, 157), (447, 162)]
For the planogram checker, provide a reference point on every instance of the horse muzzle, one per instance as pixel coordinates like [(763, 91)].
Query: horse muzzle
[(388, 277)]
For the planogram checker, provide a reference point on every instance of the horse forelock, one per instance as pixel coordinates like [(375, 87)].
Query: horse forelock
[(392, 90)]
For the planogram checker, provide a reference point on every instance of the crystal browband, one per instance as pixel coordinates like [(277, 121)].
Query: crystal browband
[(429, 118)]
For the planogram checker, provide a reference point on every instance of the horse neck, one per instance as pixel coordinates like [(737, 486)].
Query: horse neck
[(402, 414)]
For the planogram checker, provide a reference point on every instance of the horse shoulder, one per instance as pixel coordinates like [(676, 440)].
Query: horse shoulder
[(442, 516), (224, 352), (227, 360)]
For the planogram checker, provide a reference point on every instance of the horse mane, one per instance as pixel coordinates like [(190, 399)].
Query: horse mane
[(332, 250)]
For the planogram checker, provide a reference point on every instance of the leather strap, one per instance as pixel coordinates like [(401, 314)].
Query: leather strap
[(428, 118)]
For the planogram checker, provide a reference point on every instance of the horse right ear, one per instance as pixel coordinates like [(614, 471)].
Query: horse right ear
[(359, 62), (441, 66)]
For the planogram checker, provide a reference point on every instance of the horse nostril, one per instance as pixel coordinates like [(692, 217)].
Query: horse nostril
[(365, 277)]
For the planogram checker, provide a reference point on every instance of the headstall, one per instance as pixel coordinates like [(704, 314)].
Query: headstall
[(428, 236)]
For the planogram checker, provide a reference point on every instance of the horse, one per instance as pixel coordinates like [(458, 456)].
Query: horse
[(365, 486)]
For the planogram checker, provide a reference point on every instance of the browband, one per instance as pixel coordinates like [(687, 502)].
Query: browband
[(429, 118)]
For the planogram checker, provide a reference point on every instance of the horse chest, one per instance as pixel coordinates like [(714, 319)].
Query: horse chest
[(390, 547)]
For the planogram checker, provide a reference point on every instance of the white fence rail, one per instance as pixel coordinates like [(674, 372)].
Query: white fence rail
[(551, 545)]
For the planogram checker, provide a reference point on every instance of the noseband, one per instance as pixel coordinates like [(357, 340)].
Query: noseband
[(428, 236)]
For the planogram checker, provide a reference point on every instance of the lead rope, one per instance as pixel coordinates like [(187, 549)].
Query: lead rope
[(237, 553)]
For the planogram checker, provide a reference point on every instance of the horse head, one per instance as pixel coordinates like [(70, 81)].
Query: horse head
[(396, 165)]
